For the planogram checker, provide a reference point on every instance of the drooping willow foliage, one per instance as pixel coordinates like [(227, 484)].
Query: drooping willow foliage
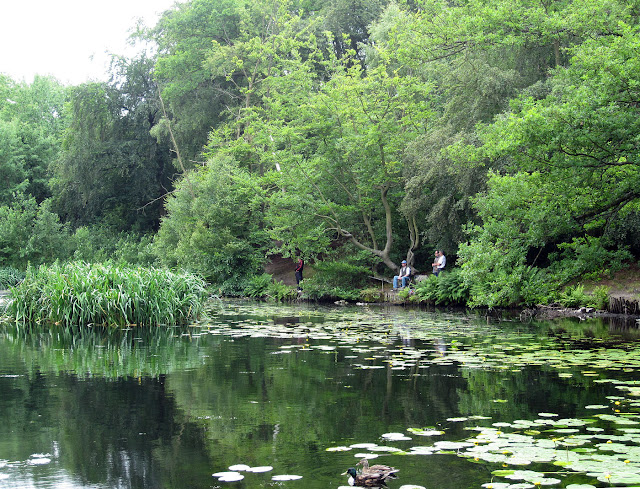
[(103, 294)]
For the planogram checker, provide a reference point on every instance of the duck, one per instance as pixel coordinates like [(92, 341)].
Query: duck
[(377, 469), (374, 476)]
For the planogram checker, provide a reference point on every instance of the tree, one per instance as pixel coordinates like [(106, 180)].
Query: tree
[(213, 225), (575, 156), (31, 125), (112, 170), (30, 233), (343, 154)]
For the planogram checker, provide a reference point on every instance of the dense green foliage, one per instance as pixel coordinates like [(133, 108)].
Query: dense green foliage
[(82, 294), (10, 277), (504, 134), (265, 287)]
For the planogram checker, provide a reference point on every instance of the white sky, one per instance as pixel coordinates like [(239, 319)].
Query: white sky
[(60, 37)]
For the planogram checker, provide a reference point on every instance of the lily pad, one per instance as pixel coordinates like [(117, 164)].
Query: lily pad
[(338, 449), (286, 477), (395, 436), (262, 468), (228, 476)]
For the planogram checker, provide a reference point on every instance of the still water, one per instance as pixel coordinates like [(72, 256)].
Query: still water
[(307, 391)]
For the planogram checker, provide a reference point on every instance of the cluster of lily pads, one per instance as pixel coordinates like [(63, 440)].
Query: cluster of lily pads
[(371, 339), (555, 447), (234, 473)]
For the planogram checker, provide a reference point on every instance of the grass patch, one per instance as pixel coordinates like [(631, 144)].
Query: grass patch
[(104, 294)]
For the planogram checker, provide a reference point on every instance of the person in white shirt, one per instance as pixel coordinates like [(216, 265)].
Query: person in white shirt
[(440, 262)]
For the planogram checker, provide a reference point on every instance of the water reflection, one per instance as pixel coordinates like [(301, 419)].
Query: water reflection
[(277, 386)]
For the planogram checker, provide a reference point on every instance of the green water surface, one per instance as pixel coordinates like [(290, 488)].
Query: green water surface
[(454, 401)]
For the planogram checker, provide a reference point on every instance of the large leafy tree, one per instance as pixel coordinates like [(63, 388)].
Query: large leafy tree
[(112, 171), (342, 156), (575, 154), (31, 127)]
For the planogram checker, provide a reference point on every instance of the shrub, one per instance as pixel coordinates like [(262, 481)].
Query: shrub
[(258, 286), (600, 297), (573, 296), (80, 294), (31, 233), (448, 288), (264, 287), (372, 294), (280, 292), (336, 280), (96, 244)]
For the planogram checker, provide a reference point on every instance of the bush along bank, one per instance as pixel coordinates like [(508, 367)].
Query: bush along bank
[(104, 294)]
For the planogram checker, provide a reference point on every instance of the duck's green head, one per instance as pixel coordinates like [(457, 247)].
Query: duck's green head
[(352, 472)]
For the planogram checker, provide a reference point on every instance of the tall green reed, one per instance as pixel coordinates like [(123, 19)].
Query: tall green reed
[(104, 294)]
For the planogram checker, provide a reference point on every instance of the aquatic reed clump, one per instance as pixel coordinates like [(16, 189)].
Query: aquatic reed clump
[(105, 294)]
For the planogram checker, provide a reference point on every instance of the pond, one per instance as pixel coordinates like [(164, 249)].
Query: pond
[(292, 396)]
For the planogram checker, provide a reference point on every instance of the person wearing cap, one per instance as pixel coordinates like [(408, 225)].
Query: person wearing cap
[(404, 274)]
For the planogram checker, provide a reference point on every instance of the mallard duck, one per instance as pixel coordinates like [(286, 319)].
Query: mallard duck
[(377, 469), (375, 476)]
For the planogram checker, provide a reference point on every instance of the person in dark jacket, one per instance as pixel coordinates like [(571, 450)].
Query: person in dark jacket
[(299, 268)]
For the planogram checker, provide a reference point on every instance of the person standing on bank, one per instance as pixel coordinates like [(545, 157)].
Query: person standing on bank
[(434, 265), (299, 268), (404, 274), (440, 263)]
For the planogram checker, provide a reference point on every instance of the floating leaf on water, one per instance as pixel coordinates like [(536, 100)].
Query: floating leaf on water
[(228, 476), (286, 477), (425, 432), (411, 486), (502, 473), (616, 419), (593, 406), (547, 481), (496, 485), (262, 468), (395, 436), (620, 478), (422, 450), (452, 445), (547, 415), (239, 467), (499, 400), (457, 420), (580, 486), (363, 445), (338, 449), (385, 449), (527, 475), (368, 456)]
